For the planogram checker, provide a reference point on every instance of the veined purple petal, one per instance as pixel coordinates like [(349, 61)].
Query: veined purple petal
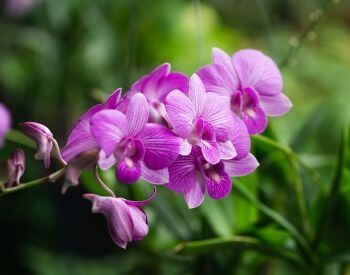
[(275, 105), (80, 138), (158, 177), (197, 94), (113, 100), (210, 151), (227, 150), (241, 167), (161, 146), (181, 113), (217, 80), (5, 122), (257, 70), (119, 218), (182, 174), (240, 137), (223, 59), (217, 181), (195, 196), (217, 112), (137, 114), (108, 127), (139, 221), (173, 81), (128, 170), (255, 119)]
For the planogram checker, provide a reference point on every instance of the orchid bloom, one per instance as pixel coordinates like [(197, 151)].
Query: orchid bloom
[(5, 122), (126, 220), (251, 83), (202, 119), (135, 147), (156, 86), (193, 175)]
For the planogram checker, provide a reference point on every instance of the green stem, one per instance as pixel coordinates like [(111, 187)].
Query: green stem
[(327, 212), (50, 178), (276, 217), (239, 242)]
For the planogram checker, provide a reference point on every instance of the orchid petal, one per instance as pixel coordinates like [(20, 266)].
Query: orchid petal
[(128, 171), (137, 114), (108, 128), (181, 113), (210, 151), (158, 177), (218, 183), (255, 119), (257, 70), (182, 174), (197, 93), (275, 105), (241, 167), (195, 196), (240, 137), (161, 146), (227, 150)]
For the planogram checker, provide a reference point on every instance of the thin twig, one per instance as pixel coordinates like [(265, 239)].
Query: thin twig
[(101, 183)]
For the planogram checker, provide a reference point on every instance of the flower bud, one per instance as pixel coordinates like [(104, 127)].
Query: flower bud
[(16, 167), (126, 220), (44, 140)]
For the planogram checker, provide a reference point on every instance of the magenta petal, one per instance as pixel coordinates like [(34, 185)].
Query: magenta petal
[(139, 221), (197, 94), (181, 113), (161, 146), (108, 127), (173, 81), (218, 183), (257, 70), (186, 148), (119, 218), (217, 80), (128, 171), (217, 112), (105, 162), (227, 150), (255, 120), (240, 137), (182, 174), (137, 114), (158, 177), (223, 59), (80, 138), (275, 105), (241, 167), (113, 100), (210, 151), (195, 196), (17, 165)]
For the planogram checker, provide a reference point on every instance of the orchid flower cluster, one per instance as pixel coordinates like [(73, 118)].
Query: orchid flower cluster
[(190, 134)]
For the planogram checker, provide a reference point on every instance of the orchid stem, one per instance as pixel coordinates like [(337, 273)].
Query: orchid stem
[(50, 178), (58, 152), (101, 183)]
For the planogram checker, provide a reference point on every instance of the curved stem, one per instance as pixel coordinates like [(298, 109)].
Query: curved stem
[(50, 178), (101, 183)]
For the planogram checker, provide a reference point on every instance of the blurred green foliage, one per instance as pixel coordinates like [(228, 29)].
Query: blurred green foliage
[(61, 57)]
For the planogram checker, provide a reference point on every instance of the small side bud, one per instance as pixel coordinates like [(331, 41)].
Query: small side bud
[(16, 167)]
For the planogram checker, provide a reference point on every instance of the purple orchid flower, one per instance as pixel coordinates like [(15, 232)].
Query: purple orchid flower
[(156, 86), (193, 175), (80, 138), (252, 84), (202, 119), (5, 122), (137, 148), (126, 220), (16, 167)]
